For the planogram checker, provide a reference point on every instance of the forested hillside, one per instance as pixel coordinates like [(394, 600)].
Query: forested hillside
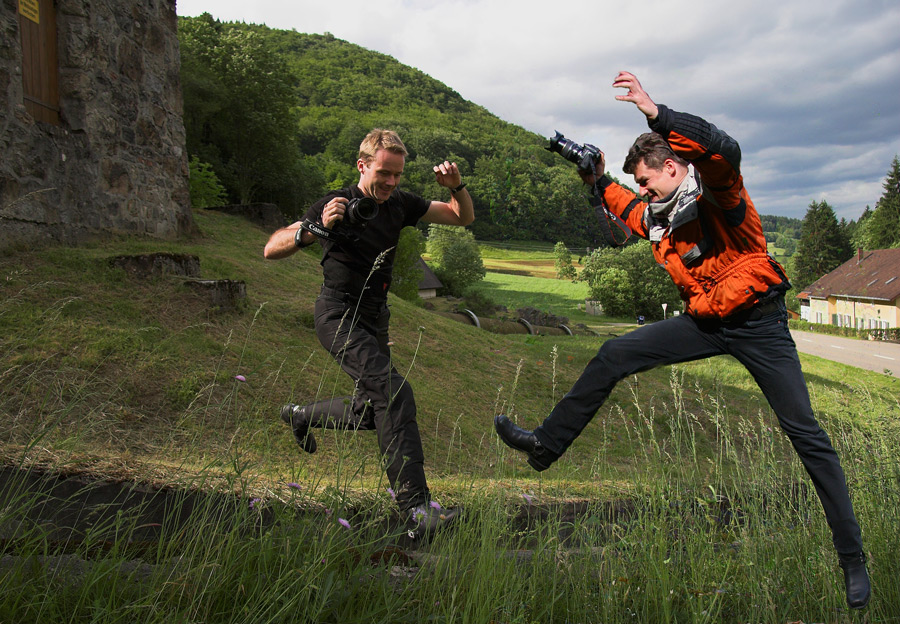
[(279, 116)]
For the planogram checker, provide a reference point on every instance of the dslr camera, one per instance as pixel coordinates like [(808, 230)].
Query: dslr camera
[(584, 156), (359, 211)]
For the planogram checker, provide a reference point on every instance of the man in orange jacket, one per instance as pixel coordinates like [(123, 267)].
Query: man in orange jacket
[(706, 233)]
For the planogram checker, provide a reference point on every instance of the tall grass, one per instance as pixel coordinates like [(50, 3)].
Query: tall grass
[(735, 537)]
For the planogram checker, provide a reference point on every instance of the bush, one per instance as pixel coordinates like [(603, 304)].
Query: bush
[(563, 262), (479, 303), (205, 189), (407, 272), (628, 282), (457, 257)]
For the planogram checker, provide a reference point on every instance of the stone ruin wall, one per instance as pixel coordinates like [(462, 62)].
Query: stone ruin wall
[(116, 163)]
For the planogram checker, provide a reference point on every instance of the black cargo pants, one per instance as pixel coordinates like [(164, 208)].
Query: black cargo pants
[(355, 332), (760, 340)]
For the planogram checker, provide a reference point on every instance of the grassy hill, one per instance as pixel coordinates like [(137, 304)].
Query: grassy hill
[(104, 369), (690, 493)]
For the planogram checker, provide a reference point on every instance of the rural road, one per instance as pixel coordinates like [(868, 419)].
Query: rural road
[(871, 355)]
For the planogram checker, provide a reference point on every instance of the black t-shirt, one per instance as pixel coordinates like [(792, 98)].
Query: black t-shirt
[(347, 265)]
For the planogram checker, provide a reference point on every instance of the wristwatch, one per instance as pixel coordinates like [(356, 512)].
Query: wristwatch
[(458, 188)]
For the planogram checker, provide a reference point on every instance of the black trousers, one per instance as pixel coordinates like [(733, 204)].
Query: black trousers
[(355, 332), (760, 340)]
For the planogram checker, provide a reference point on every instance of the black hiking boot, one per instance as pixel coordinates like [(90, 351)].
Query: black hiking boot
[(523, 440), (296, 417), (856, 580)]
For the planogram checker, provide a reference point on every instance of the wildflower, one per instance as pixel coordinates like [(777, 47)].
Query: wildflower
[(253, 502), (435, 505), (527, 498), (343, 523), (294, 486), (393, 495), (240, 378)]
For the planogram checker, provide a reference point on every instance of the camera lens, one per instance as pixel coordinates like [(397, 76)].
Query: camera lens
[(360, 210), (570, 150)]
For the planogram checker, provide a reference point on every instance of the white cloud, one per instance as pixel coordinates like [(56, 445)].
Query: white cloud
[(808, 87)]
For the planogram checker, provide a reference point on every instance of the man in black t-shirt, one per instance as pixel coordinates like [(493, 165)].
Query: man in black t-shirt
[(359, 228)]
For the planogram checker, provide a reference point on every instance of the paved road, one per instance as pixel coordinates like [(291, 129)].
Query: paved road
[(868, 354)]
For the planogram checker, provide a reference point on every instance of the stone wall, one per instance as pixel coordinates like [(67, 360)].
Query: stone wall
[(117, 161)]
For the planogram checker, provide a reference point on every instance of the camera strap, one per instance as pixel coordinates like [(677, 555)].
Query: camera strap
[(320, 231), (615, 231)]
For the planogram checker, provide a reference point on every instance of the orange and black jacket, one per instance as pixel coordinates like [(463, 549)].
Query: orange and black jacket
[(716, 254)]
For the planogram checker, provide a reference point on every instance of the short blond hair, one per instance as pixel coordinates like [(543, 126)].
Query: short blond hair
[(380, 139)]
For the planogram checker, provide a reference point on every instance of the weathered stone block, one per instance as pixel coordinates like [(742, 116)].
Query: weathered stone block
[(159, 264)]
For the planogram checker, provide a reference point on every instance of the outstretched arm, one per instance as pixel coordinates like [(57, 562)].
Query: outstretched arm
[(282, 243), (459, 211)]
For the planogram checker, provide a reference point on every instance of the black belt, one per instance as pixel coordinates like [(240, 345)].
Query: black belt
[(347, 297), (756, 312)]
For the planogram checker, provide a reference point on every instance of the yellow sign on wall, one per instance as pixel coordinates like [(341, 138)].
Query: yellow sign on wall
[(31, 9)]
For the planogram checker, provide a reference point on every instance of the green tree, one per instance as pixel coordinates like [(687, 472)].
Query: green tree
[(456, 256), (563, 262), (205, 189), (628, 282), (823, 245), (613, 288), (407, 272), (857, 230), (238, 110), (882, 229)]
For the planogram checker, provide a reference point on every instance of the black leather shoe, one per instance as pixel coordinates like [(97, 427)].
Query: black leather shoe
[(520, 439), (856, 580), (295, 416), (426, 520)]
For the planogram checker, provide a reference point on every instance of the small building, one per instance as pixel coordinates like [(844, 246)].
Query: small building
[(429, 284), (862, 293)]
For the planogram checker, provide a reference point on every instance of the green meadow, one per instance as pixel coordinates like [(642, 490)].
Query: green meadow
[(681, 502)]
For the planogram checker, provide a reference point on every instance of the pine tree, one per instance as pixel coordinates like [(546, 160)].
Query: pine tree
[(882, 229), (823, 245)]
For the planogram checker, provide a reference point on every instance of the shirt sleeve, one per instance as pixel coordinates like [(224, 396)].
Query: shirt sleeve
[(414, 208)]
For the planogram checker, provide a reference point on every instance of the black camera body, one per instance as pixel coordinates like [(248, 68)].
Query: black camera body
[(584, 156), (359, 211)]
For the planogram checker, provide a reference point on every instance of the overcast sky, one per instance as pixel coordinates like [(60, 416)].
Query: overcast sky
[(809, 88)]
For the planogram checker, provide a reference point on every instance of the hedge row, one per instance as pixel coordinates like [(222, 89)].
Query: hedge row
[(891, 334)]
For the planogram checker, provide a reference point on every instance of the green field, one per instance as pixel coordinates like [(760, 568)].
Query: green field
[(681, 502), (559, 297)]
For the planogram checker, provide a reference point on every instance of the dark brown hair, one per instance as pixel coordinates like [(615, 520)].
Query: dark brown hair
[(653, 149)]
